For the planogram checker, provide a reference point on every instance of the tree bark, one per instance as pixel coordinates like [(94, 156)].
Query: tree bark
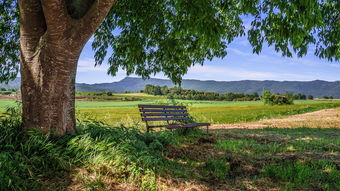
[(50, 45), (48, 86)]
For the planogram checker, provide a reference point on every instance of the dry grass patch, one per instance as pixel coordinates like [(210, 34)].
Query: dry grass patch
[(327, 118)]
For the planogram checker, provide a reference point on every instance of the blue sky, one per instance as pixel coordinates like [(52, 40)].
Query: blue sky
[(239, 64)]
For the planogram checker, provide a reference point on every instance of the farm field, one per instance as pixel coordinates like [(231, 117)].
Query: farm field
[(215, 112)]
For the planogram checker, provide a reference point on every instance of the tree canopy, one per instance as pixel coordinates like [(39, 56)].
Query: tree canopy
[(146, 36)]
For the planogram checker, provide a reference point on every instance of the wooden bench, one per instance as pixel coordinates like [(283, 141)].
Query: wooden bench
[(173, 115)]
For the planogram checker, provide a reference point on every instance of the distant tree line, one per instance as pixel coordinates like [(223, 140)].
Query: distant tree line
[(180, 93), (327, 97), (7, 91), (187, 94)]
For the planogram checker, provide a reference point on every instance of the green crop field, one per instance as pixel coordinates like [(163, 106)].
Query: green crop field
[(216, 112)]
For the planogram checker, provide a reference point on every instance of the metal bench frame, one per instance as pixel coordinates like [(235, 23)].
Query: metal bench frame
[(170, 114)]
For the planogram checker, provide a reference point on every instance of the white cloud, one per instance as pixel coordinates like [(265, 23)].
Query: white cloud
[(87, 65), (224, 73), (238, 52)]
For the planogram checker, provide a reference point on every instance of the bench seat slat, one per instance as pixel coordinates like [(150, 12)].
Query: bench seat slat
[(174, 126), (160, 106), (164, 114), (163, 110), (165, 119)]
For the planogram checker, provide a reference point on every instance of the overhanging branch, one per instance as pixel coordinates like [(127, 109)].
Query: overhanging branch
[(56, 16), (94, 17)]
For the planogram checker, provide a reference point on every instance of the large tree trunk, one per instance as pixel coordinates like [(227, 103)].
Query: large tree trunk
[(48, 87), (50, 44)]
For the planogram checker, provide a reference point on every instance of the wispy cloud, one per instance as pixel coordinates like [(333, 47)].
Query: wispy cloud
[(224, 73), (239, 52), (87, 65)]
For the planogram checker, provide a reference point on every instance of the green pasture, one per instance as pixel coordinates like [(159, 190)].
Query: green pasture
[(216, 112)]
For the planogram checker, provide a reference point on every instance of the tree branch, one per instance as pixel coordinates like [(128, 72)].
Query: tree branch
[(32, 24), (56, 16), (94, 17)]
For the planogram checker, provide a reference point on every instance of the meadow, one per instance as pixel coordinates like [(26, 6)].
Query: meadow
[(111, 151), (215, 112)]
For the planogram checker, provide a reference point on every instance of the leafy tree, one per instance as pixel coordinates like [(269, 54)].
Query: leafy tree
[(266, 97), (310, 97), (146, 37), (276, 99), (289, 97)]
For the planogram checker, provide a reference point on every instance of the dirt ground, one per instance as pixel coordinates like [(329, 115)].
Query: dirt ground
[(327, 118)]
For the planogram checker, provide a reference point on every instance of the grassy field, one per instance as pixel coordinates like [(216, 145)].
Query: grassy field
[(114, 157), (216, 112), (109, 158)]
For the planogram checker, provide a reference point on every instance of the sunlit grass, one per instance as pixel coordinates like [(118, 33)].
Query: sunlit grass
[(216, 112)]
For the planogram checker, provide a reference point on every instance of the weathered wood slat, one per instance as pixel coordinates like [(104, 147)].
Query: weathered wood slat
[(164, 114), (162, 110), (159, 106), (165, 119), (174, 126), (156, 126)]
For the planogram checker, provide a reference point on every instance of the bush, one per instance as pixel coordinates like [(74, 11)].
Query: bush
[(277, 99)]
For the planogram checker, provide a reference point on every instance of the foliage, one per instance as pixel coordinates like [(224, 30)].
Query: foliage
[(186, 94), (277, 99), (168, 36), (328, 97), (9, 40)]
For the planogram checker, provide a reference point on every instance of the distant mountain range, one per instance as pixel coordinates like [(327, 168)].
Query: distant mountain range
[(317, 88)]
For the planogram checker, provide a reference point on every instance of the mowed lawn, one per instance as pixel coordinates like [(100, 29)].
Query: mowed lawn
[(216, 112)]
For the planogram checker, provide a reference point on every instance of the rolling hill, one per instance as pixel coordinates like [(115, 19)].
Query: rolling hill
[(317, 88)]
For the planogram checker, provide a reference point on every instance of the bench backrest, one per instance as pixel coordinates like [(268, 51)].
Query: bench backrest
[(162, 113)]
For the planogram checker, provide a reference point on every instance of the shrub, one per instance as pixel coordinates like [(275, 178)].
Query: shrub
[(276, 99)]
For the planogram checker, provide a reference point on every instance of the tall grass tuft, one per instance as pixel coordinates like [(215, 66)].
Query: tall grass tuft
[(31, 160)]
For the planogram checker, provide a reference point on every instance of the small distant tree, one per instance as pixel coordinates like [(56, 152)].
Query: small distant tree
[(289, 98), (310, 97), (109, 93), (3, 89), (266, 97), (276, 99)]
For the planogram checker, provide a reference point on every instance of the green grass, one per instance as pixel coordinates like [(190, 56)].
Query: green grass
[(216, 112), (102, 157)]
